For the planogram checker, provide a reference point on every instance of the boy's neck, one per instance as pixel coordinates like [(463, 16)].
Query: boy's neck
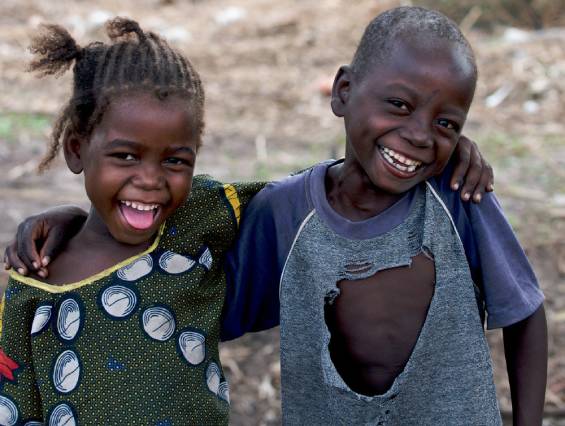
[(351, 194), (90, 251)]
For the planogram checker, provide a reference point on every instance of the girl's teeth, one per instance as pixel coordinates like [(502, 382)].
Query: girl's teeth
[(139, 206)]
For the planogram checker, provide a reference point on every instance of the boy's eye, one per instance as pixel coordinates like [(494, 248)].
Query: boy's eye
[(448, 124), (399, 104)]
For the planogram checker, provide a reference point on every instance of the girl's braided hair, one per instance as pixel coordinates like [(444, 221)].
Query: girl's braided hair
[(133, 60)]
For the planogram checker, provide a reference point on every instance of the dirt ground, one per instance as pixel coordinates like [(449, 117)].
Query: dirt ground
[(265, 65)]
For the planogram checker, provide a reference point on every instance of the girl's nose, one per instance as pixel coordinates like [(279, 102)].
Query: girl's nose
[(149, 177)]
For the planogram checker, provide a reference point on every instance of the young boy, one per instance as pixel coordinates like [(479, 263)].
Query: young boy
[(379, 311)]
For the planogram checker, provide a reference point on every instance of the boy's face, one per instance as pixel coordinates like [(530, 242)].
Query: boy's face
[(138, 165), (404, 117)]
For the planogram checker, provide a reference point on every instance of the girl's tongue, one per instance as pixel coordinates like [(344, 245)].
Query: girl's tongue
[(138, 219)]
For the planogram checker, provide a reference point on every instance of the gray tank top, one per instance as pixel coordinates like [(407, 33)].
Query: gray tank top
[(448, 377)]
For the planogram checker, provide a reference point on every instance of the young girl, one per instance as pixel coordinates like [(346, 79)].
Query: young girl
[(125, 328)]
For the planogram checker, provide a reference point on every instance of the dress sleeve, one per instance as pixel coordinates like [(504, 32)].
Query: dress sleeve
[(498, 263), (19, 394), (239, 194)]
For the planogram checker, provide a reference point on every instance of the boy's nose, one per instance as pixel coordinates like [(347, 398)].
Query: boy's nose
[(418, 133)]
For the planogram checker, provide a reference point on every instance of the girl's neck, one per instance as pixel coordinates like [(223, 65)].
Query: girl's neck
[(91, 251)]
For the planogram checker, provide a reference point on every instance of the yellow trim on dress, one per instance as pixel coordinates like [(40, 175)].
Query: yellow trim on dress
[(53, 288), (231, 195)]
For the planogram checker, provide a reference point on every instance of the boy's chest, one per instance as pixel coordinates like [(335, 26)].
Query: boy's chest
[(375, 322)]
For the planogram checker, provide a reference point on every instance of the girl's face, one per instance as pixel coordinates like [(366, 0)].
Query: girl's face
[(138, 164)]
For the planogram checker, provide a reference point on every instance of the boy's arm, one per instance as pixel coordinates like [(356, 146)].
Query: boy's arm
[(472, 173), (511, 293), (254, 265), (525, 348), (39, 238)]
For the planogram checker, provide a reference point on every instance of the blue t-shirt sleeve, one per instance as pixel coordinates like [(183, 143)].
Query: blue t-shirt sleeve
[(254, 265), (498, 263), (252, 274)]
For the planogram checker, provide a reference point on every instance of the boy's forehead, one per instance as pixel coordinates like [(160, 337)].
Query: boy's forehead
[(421, 52)]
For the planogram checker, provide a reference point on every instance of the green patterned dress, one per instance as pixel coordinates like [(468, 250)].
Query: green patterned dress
[(136, 344)]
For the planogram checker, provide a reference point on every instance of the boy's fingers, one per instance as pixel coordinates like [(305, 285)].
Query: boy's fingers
[(460, 170), (485, 183), (473, 176), (52, 245), (29, 238), (489, 177), (11, 259)]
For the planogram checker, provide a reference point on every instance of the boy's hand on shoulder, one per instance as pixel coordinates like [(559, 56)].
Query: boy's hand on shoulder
[(39, 238), (472, 174)]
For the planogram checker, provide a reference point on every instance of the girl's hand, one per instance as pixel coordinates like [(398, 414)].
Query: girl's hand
[(472, 173), (39, 238)]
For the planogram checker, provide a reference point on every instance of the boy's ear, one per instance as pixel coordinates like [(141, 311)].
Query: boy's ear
[(72, 147), (341, 89)]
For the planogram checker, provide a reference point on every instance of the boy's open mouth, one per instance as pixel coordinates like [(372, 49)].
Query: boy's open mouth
[(139, 215), (399, 161)]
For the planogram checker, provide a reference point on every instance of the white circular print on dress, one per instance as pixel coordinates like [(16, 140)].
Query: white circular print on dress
[(224, 391), (213, 377), (136, 269), (118, 301), (62, 415), (69, 319), (192, 346), (158, 322), (174, 263), (66, 372), (41, 319), (8, 411)]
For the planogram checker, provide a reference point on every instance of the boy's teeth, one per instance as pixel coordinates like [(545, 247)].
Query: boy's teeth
[(407, 163)]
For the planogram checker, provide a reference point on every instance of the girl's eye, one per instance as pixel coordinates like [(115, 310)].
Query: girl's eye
[(448, 124), (176, 161), (398, 104), (124, 156)]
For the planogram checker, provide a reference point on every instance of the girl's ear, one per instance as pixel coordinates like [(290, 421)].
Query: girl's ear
[(72, 147), (340, 90)]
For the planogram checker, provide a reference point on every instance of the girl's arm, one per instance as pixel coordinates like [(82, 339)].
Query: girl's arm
[(525, 348)]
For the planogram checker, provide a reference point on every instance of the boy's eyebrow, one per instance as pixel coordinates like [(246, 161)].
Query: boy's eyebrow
[(412, 92)]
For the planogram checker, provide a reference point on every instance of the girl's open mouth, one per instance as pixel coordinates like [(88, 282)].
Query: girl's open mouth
[(139, 215)]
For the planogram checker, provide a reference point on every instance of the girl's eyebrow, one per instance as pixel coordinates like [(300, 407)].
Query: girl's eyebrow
[(188, 149), (121, 143)]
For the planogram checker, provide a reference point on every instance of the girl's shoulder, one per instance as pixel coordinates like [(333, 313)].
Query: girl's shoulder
[(212, 211)]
